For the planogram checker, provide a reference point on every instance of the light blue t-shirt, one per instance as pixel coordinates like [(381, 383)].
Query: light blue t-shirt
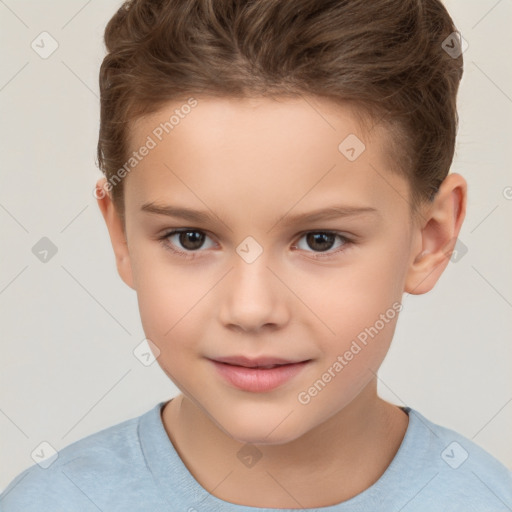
[(133, 466)]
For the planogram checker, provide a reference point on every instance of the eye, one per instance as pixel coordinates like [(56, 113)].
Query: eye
[(323, 241), (189, 239)]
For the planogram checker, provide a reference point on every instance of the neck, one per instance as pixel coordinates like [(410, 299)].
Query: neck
[(331, 463)]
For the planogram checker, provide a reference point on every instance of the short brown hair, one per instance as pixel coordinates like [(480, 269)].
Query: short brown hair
[(385, 56)]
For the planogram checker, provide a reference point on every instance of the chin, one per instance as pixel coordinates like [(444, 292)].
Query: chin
[(264, 429)]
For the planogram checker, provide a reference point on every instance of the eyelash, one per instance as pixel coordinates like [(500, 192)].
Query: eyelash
[(192, 254)]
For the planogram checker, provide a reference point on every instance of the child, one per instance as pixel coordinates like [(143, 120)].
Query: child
[(264, 128)]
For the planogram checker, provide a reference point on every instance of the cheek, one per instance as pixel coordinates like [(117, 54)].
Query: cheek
[(347, 299), (356, 309), (363, 330), (169, 298), (169, 320)]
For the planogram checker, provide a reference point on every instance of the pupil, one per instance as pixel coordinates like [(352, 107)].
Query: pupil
[(322, 239), (194, 237)]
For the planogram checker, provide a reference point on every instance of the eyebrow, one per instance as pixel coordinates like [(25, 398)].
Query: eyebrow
[(332, 212)]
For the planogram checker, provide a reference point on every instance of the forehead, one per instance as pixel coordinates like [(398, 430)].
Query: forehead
[(261, 151)]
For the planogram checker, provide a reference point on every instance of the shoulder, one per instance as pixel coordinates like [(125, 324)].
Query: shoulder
[(452, 466), (79, 474)]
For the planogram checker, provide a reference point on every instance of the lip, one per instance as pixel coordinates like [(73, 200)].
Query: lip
[(246, 374), (254, 362)]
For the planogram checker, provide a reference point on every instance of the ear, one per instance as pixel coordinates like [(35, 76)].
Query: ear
[(116, 231), (439, 227)]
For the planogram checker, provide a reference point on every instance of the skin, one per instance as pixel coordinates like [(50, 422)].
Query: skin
[(252, 164)]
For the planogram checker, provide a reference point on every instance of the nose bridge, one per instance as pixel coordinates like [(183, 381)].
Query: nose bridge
[(251, 279), (252, 298)]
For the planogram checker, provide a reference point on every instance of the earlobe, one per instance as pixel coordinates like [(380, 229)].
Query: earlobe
[(441, 224), (116, 232)]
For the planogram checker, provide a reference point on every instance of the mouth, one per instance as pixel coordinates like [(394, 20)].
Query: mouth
[(265, 362), (257, 375)]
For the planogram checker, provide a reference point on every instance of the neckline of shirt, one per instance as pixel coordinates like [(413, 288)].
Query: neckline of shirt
[(177, 484)]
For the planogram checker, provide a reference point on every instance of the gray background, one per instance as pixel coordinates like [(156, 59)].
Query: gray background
[(69, 326)]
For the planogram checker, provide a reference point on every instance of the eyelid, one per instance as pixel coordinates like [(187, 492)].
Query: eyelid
[(348, 240), (173, 231), (185, 253)]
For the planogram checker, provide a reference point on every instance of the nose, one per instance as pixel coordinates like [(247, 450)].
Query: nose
[(253, 298)]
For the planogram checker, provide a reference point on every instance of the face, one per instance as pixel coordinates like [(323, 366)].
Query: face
[(255, 269)]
